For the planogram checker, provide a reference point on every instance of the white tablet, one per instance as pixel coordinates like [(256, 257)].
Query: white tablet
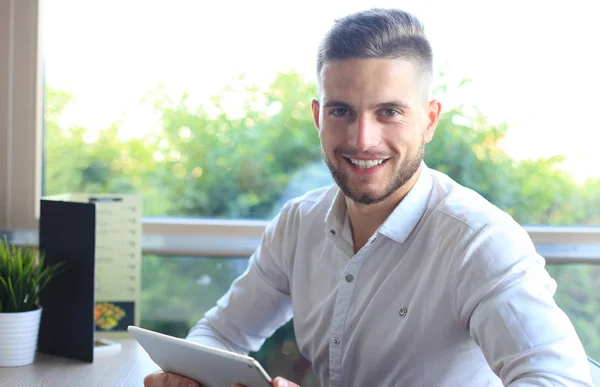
[(209, 366)]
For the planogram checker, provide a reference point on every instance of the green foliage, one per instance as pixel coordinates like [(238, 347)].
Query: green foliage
[(204, 163), (218, 166), (466, 147), (204, 281), (577, 295), (22, 276)]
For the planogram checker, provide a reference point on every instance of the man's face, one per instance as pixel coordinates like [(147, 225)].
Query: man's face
[(374, 120)]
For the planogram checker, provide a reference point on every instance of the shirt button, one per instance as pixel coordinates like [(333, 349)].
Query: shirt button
[(349, 278), (332, 232), (403, 312), (335, 341)]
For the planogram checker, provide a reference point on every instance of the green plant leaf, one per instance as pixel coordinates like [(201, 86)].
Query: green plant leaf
[(23, 273), (12, 295)]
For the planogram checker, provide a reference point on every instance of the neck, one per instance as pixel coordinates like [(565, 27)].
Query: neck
[(365, 219)]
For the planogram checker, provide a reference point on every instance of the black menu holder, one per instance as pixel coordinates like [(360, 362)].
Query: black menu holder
[(67, 233)]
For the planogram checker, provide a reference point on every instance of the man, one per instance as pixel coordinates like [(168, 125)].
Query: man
[(396, 276)]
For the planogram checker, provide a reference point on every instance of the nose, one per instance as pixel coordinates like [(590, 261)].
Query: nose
[(365, 133)]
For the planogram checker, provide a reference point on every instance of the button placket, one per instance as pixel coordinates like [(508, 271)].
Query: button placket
[(342, 306)]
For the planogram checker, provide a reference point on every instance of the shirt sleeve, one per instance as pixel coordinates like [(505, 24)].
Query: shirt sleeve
[(258, 302), (504, 297)]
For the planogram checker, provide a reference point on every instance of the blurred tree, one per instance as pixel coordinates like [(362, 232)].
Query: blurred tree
[(220, 166), (178, 291), (104, 165)]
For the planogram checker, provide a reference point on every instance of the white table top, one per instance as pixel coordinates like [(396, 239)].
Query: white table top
[(126, 367)]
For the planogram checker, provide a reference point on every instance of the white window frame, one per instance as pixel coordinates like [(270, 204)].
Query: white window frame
[(21, 137)]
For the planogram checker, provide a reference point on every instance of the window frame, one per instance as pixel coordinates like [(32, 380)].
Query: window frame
[(21, 136), (20, 114)]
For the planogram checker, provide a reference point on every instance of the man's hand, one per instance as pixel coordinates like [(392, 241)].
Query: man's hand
[(278, 382), (281, 382), (165, 379)]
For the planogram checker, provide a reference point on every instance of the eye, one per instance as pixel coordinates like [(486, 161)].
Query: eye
[(339, 112), (391, 113)]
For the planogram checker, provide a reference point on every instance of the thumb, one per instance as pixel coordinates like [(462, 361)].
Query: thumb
[(281, 382)]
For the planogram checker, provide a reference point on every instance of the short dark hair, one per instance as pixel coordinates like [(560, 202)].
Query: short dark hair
[(377, 33)]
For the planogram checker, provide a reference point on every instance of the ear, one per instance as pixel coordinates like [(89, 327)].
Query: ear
[(315, 111), (434, 110)]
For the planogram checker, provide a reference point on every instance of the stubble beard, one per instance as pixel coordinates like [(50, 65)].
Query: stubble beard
[(400, 177)]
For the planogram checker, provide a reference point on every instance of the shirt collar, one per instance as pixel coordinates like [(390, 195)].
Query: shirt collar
[(401, 221), (407, 214)]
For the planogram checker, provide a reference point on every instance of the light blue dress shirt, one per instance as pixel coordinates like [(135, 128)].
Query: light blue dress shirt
[(448, 292)]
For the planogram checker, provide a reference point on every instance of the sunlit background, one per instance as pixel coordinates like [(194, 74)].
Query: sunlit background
[(532, 63)]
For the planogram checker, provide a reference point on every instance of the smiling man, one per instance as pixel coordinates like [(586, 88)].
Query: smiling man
[(396, 275)]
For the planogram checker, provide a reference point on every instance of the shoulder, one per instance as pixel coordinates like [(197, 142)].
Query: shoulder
[(486, 250), (306, 209), (465, 222), (314, 203), (460, 206)]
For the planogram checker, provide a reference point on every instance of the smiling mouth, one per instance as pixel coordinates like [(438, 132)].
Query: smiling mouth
[(365, 164)]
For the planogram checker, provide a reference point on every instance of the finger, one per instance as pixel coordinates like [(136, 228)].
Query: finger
[(172, 380), (281, 382), (165, 379), (152, 380)]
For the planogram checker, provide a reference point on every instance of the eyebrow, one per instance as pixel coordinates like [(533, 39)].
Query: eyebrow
[(390, 104), (394, 104), (336, 103)]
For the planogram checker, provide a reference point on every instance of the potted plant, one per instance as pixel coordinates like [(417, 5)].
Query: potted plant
[(22, 275)]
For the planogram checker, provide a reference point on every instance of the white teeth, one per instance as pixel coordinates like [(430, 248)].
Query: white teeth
[(366, 163)]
